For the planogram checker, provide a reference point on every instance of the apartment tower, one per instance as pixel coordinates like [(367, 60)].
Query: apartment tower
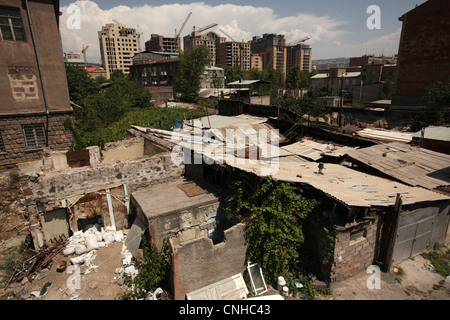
[(272, 49), (234, 54), (118, 45), (299, 55), (158, 43)]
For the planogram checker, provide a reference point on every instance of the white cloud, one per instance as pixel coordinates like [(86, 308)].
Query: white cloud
[(240, 22)]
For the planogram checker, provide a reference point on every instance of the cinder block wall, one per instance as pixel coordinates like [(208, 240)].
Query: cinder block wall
[(199, 263)]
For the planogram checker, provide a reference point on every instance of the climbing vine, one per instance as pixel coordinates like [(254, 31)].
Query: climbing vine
[(275, 224)]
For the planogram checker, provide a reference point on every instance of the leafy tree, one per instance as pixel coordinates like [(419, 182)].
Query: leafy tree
[(80, 84), (293, 78), (154, 271), (387, 91), (276, 214), (192, 64), (233, 73), (437, 103)]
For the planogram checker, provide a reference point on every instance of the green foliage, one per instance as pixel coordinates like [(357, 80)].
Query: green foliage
[(108, 113), (159, 118), (387, 91), (331, 241), (276, 213), (80, 84), (192, 64), (436, 110), (301, 106), (153, 272), (297, 78), (440, 261), (233, 73)]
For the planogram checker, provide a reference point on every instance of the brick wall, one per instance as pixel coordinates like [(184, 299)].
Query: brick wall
[(354, 250), (424, 53)]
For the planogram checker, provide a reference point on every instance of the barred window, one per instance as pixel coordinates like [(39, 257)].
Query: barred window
[(34, 135), (11, 26)]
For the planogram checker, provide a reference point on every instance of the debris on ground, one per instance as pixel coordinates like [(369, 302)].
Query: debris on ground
[(32, 266)]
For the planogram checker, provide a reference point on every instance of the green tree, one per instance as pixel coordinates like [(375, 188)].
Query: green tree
[(80, 84), (437, 104), (293, 78), (387, 91), (153, 273), (233, 73), (192, 64), (276, 213)]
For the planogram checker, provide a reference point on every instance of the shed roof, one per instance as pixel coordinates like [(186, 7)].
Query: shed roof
[(314, 150), (385, 135), (434, 133), (348, 186), (411, 165)]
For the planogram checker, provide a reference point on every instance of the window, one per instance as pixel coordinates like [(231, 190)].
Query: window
[(11, 26), (34, 135)]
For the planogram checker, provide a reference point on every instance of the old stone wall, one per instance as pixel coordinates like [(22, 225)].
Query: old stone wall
[(47, 190), (199, 262), (14, 147)]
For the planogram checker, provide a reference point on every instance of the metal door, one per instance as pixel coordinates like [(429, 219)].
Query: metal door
[(413, 239)]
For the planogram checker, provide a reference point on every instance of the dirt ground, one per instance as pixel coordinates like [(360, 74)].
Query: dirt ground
[(101, 283), (415, 283)]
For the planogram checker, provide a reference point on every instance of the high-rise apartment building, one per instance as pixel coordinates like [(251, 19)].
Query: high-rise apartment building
[(272, 48), (234, 54), (210, 39), (118, 45), (256, 62), (299, 55), (158, 43)]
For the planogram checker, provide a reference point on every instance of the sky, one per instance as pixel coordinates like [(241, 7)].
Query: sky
[(336, 28)]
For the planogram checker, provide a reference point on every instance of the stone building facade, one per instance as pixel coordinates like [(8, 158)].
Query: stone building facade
[(34, 94)]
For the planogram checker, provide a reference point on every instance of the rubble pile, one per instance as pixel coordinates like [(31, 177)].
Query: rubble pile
[(82, 248)]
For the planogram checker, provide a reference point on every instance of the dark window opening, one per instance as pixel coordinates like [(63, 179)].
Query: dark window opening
[(11, 26)]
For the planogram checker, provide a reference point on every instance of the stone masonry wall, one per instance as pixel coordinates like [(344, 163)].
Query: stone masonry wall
[(13, 138), (50, 188)]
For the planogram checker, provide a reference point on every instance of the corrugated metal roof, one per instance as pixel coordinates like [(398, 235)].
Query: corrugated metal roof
[(435, 133), (385, 135), (313, 150), (346, 185), (411, 165)]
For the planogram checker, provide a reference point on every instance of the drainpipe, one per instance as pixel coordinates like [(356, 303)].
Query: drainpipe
[(41, 78)]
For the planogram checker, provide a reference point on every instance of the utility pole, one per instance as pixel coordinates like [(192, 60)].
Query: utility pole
[(341, 122)]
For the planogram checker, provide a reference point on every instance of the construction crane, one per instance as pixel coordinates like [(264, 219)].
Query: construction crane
[(184, 25), (212, 25), (84, 49), (117, 22), (227, 35), (298, 42)]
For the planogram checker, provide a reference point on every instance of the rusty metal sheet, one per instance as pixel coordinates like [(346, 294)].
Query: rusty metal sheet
[(78, 159), (192, 189)]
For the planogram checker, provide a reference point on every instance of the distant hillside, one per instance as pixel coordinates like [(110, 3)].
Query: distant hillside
[(329, 63)]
